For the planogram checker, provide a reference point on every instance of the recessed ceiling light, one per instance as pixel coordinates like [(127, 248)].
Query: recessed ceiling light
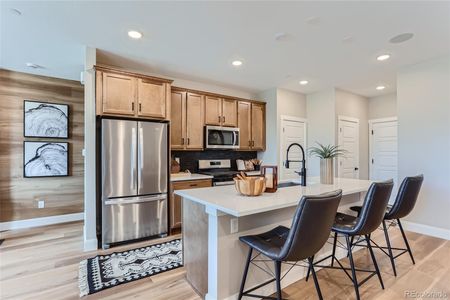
[(34, 66), (401, 38), (348, 40), (303, 82), (380, 87), (237, 63), (281, 36), (16, 11), (134, 34), (383, 57)]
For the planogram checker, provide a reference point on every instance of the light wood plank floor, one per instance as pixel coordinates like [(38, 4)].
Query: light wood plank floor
[(42, 263)]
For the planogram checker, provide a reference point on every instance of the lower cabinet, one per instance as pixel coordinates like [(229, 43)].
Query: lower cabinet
[(175, 201)]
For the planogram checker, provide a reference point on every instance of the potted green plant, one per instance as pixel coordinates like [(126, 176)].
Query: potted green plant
[(326, 154)]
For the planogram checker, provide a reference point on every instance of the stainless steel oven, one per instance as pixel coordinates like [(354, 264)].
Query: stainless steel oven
[(217, 137)]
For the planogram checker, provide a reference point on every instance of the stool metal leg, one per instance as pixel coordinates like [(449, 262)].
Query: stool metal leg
[(374, 261), (244, 277), (316, 282), (388, 243), (278, 278), (406, 241), (352, 266), (334, 248)]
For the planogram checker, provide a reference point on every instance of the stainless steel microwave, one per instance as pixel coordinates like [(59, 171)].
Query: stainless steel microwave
[(217, 137)]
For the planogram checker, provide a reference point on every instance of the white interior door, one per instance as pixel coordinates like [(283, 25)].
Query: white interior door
[(348, 140), (383, 148), (293, 130)]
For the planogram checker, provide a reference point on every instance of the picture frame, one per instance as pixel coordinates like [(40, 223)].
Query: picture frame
[(45, 120), (45, 159)]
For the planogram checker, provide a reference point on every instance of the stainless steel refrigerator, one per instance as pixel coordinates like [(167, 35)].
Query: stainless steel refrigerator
[(134, 180)]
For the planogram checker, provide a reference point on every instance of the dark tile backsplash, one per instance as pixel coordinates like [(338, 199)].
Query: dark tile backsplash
[(189, 159)]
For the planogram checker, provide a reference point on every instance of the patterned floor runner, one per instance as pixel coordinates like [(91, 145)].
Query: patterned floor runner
[(105, 271)]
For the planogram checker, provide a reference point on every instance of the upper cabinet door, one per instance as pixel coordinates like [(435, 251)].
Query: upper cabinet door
[(229, 112), (258, 127), (119, 93), (244, 124), (213, 110), (177, 119), (151, 98), (194, 121)]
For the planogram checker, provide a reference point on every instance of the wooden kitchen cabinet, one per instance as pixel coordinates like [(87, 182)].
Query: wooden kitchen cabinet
[(258, 127), (187, 121), (151, 98), (245, 125), (175, 201), (118, 94), (220, 111), (252, 126), (121, 93)]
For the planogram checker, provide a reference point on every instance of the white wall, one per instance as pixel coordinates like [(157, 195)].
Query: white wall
[(321, 113), (356, 106), (423, 106), (383, 106)]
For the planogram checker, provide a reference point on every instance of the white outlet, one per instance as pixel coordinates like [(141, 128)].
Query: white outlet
[(41, 203), (234, 225)]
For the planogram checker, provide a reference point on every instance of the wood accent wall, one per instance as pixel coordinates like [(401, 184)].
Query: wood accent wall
[(18, 195)]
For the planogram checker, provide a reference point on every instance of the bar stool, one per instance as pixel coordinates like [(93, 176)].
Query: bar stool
[(403, 205), (370, 218), (310, 229)]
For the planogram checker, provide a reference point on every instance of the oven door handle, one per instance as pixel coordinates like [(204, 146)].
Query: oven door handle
[(222, 183)]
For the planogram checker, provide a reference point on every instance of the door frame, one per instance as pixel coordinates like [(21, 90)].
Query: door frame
[(371, 123), (339, 142), (305, 134)]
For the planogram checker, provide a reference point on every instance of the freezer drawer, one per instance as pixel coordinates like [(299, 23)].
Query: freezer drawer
[(133, 218)]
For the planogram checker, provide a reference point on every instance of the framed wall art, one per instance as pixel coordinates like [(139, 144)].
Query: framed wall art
[(45, 120), (45, 159)]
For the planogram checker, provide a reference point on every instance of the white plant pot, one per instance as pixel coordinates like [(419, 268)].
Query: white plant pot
[(326, 171)]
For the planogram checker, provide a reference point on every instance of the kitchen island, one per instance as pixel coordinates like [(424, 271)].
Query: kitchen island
[(214, 219)]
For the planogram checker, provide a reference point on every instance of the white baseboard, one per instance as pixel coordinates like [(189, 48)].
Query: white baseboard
[(20, 224), (427, 230)]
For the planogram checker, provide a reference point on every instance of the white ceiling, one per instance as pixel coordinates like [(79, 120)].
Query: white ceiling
[(198, 40)]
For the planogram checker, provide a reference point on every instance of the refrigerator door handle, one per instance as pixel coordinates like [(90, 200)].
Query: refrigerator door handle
[(141, 150), (133, 158), (135, 200)]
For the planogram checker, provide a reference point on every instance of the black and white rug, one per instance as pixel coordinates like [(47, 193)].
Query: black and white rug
[(105, 271)]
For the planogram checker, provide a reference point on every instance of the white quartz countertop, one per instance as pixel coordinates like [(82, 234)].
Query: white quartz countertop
[(188, 176), (226, 199)]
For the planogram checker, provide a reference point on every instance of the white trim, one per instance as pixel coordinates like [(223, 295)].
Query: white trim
[(382, 120), (90, 245), (20, 224), (280, 142), (292, 118), (349, 119), (438, 232)]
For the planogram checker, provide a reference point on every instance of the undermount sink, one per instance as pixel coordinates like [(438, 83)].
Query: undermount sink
[(287, 184)]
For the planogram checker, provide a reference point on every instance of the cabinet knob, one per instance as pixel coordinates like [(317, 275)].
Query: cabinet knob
[(224, 119), (132, 106), (188, 141), (140, 107), (182, 141), (219, 119)]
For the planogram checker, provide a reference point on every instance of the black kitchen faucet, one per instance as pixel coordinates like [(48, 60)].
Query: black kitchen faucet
[(302, 172)]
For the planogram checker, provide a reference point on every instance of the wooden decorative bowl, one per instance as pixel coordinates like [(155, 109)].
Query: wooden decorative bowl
[(250, 186)]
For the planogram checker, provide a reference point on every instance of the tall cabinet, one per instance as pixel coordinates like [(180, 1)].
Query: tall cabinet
[(252, 126), (187, 120)]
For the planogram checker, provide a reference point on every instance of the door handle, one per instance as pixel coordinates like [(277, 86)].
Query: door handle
[(182, 141), (132, 106), (135, 200), (140, 107), (223, 119), (188, 141), (133, 158), (356, 168), (219, 119)]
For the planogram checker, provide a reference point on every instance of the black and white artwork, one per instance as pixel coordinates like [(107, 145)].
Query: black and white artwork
[(45, 159), (49, 120)]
